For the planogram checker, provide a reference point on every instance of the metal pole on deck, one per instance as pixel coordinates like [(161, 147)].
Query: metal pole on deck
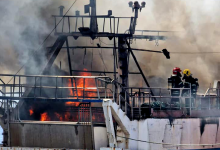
[(93, 21), (8, 125)]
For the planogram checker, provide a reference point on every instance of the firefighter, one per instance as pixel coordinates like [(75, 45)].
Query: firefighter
[(175, 81), (190, 82)]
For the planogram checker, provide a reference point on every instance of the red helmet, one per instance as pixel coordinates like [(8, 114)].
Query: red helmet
[(176, 70)]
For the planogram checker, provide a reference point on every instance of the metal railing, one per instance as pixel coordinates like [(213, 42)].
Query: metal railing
[(57, 88), (210, 100), (105, 24), (132, 100)]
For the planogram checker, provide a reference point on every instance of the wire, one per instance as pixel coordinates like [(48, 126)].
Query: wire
[(45, 39), (169, 143), (100, 54)]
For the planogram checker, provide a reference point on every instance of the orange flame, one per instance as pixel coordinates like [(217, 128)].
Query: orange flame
[(81, 82), (59, 116), (72, 103), (67, 116), (44, 117), (31, 111)]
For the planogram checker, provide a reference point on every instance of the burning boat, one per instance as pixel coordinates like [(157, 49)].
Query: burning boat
[(100, 112)]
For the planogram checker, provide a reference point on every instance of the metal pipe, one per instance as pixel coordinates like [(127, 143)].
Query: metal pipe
[(102, 72), (108, 47), (8, 124)]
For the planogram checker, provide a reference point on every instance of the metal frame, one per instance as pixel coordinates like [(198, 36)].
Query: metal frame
[(130, 100), (16, 89)]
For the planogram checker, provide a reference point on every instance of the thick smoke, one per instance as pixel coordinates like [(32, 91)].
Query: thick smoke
[(25, 23), (198, 26), (22, 28)]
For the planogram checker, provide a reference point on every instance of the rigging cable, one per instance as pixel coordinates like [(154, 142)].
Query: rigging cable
[(168, 143), (100, 54), (46, 38)]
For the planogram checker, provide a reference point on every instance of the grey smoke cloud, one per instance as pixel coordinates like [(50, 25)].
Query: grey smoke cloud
[(25, 23)]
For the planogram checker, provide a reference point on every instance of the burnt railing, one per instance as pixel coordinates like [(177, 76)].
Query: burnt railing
[(132, 100), (67, 88)]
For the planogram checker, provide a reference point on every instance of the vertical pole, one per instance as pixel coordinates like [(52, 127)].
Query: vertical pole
[(62, 88), (103, 30), (10, 91), (97, 87), (218, 97), (190, 100), (84, 88), (209, 100), (34, 86), (14, 87), (76, 88), (56, 90), (92, 128), (19, 86), (132, 109), (93, 21), (125, 102), (115, 87), (82, 22), (40, 85), (105, 90), (76, 24), (8, 123)]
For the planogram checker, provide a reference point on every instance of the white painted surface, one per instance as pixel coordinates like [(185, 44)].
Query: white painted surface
[(218, 136), (209, 135), (184, 131), (190, 133), (107, 104), (100, 137), (143, 135), (172, 135)]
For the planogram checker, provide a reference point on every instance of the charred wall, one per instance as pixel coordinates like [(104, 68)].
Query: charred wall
[(60, 135)]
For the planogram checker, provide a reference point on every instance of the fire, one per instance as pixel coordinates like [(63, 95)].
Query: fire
[(67, 116), (59, 116), (31, 111), (93, 117), (44, 117), (72, 103), (81, 82)]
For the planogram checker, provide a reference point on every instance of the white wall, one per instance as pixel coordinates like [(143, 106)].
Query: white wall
[(100, 137)]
